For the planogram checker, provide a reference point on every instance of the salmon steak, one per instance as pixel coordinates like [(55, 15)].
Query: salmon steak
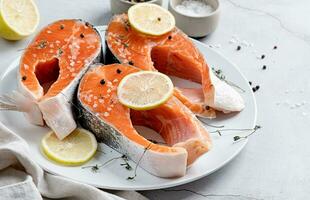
[(113, 123), (173, 54), (50, 70)]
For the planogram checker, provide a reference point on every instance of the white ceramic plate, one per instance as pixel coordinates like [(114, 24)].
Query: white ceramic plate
[(113, 175)]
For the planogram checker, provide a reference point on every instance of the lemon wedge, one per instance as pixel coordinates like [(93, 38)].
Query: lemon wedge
[(18, 18), (76, 149), (144, 90), (150, 19)]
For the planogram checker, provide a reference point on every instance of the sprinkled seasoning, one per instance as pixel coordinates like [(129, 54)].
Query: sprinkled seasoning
[(275, 47), (250, 82), (255, 88), (207, 107), (42, 44), (238, 48), (169, 37), (60, 52), (263, 56), (264, 67), (87, 24), (158, 19), (118, 71), (102, 82), (130, 62), (62, 27), (127, 25), (24, 78), (82, 35)]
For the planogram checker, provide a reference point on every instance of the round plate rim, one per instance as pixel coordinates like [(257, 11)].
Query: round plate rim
[(165, 185)]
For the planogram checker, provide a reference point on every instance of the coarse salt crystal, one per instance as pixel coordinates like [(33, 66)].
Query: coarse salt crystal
[(106, 114), (232, 41), (245, 43), (194, 8), (217, 46)]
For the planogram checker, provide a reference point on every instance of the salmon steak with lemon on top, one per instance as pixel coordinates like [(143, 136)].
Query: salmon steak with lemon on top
[(113, 123), (50, 70), (174, 54)]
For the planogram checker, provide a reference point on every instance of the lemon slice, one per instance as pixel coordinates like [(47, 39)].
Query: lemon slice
[(76, 149), (18, 18), (150, 19), (144, 90)]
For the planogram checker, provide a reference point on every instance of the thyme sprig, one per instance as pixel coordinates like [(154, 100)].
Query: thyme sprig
[(237, 137), (138, 163), (219, 74), (208, 124), (96, 167), (155, 141)]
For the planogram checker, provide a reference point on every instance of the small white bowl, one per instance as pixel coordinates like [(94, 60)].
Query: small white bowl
[(196, 26), (122, 6)]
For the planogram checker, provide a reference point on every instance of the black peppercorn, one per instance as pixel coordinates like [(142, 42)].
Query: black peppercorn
[(264, 67), (24, 78), (82, 35), (102, 82), (263, 56), (130, 63), (237, 138), (250, 82), (207, 107), (169, 37), (238, 48), (62, 27), (275, 47), (118, 71)]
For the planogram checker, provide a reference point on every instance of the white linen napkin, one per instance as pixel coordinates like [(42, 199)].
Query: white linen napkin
[(22, 179)]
